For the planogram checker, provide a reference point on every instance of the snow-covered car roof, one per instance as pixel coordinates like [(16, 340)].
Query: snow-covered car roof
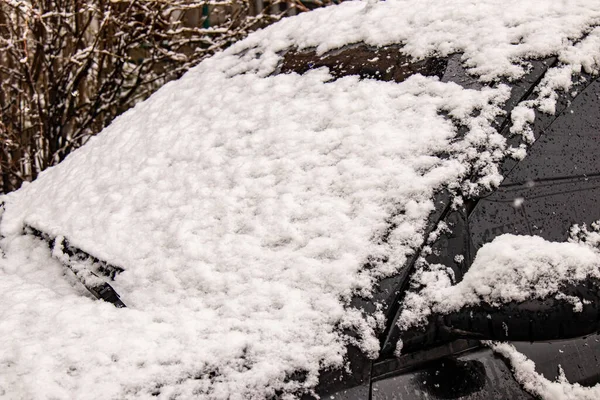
[(246, 207)]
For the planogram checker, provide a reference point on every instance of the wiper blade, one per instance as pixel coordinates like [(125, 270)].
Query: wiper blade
[(84, 266)]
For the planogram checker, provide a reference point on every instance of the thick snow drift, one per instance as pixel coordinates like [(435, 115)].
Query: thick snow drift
[(243, 205)]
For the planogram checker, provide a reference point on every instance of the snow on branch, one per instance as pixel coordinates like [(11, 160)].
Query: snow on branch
[(67, 69)]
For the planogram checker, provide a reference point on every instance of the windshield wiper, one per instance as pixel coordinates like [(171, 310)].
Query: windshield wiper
[(86, 267)]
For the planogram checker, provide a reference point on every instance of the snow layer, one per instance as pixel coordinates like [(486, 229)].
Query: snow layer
[(510, 268), (242, 205), (243, 242)]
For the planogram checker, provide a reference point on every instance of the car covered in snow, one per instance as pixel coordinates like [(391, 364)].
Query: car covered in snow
[(375, 200)]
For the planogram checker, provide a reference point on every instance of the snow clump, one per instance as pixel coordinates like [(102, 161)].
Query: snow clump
[(510, 268)]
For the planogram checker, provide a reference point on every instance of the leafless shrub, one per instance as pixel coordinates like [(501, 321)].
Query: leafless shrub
[(68, 67)]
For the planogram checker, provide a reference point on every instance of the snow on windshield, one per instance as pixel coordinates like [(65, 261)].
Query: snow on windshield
[(243, 206)]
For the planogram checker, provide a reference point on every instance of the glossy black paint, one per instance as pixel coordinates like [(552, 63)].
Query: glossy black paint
[(556, 185), (579, 358), (476, 375), (457, 242)]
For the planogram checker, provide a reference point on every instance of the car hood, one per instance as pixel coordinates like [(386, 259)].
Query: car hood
[(247, 207)]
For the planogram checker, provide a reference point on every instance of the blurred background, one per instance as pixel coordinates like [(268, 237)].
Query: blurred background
[(69, 67)]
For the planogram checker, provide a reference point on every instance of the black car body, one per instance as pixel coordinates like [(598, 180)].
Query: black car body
[(555, 186), (543, 194)]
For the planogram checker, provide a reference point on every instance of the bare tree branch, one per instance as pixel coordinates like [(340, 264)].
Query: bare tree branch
[(67, 68)]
